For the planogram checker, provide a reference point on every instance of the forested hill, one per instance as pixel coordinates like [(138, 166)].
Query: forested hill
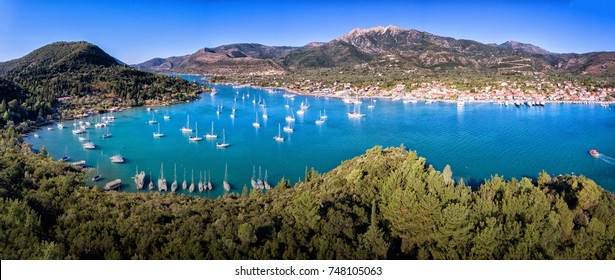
[(89, 80), (386, 203)]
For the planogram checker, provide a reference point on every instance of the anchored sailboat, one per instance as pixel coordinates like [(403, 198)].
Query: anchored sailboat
[(174, 185), (211, 135), (185, 183), (187, 128), (256, 124), (162, 182), (227, 186), (279, 138), (200, 182), (267, 186), (191, 189), (196, 135), (151, 182), (97, 177), (252, 180), (223, 144), (158, 134), (209, 186)]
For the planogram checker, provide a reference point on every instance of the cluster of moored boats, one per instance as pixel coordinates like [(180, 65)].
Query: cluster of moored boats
[(204, 182)]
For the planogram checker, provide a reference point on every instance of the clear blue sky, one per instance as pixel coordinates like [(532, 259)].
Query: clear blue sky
[(134, 30)]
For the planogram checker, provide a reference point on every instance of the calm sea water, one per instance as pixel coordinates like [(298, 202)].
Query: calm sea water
[(477, 140)]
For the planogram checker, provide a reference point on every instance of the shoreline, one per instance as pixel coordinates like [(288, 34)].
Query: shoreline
[(297, 92)]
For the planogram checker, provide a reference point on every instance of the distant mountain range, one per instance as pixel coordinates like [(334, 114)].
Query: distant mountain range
[(384, 47)]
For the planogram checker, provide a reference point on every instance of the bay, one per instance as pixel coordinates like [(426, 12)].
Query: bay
[(477, 140)]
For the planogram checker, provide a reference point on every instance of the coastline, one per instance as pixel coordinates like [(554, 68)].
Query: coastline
[(380, 96)]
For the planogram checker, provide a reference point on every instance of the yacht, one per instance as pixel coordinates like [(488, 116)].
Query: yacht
[(324, 115), (153, 120), (158, 134), (300, 112), (211, 135), (259, 181), (196, 135), (256, 124), (162, 182), (187, 128), (113, 185), (290, 118), (460, 103), (200, 184), (223, 144), (167, 116), (97, 177), (305, 105), (151, 182), (107, 134), (320, 120), (117, 159), (227, 186), (191, 189), (213, 92), (65, 157), (356, 114), (372, 104), (185, 183), (139, 178), (209, 186), (267, 186), (265, 116), (279, 137), (174, 184), (253, 180), (89, 145), (288, 129)]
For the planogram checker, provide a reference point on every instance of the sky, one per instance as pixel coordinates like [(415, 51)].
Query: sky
[(134, 31)]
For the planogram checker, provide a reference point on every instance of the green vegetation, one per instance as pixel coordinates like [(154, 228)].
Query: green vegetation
[(386, 204), (87, 77)]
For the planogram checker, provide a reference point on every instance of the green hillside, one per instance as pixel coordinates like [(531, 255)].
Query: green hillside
[(385, 204)]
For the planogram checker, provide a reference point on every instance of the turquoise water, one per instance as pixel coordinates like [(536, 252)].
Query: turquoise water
[(477, 140)]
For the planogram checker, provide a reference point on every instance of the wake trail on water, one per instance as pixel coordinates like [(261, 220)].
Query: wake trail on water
[(607, 159)]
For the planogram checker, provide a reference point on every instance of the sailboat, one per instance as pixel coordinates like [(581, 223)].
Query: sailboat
[(279, 138), (162, 182), (288, 129), (252, 180), (290, 118), (139, 178), (371, 105), (167, 116), (200, 182), (158, 134), (211, 135), (187, 128), (174, 185), (233, 111), (60, 124), (97, 177), (259, 181), (209, 186), (191, 189), (356, 114), (256, 124), (89, 145), (265, 116), (196, 135), (305, 105), (153, 120), (185, 183), (151, 182), (324, 115), (107, 134), (227, 186), (223, 144), (320, 120), (267, 186)]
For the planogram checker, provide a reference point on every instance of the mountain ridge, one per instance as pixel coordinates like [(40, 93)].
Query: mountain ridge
[(380, 46)]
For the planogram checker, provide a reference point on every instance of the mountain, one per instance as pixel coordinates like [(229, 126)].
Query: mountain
[(526, 48), (60, 56), (388, 47), (89, 78), (223, 60)]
